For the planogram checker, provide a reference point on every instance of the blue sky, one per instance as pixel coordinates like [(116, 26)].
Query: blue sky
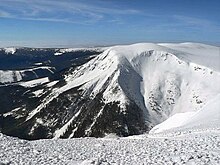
[(74, 23)]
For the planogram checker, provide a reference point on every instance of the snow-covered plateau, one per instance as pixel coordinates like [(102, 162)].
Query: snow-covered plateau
[(168, 93), (67, 50), (10, 76)]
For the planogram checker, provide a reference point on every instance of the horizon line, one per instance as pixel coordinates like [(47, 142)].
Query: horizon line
[(62, 46)]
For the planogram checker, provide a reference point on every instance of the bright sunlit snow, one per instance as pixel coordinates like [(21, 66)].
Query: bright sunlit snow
[(194, 148), (10, 50)]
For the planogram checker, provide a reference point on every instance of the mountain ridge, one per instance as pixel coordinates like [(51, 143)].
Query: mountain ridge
[(125, 90)]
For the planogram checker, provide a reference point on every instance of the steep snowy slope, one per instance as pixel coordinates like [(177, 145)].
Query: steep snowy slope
[(125, 90), (206, 118)]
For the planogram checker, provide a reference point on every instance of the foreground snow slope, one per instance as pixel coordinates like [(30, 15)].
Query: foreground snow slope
[(195, 148)]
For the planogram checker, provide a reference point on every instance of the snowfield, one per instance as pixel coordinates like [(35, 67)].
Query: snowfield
[(191, 148), (62, 51), (10, 50), (11, 76)]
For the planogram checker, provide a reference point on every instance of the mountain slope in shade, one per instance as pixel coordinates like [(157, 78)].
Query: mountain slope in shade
[(24, 64), (126, 90)]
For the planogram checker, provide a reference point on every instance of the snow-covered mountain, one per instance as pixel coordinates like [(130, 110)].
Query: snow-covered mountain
[(125, 90)]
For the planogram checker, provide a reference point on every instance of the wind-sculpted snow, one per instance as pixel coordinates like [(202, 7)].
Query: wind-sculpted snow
[(196, 148), (201, 54)]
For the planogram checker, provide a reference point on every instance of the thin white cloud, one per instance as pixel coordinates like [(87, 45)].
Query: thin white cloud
[(58, 11), (4, 14), (192, 20), (198, 23)]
